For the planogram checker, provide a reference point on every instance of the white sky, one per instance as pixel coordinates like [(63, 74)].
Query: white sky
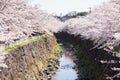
[(65, 6)]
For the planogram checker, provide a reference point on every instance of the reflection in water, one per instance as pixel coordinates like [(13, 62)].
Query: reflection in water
[(66, 71)]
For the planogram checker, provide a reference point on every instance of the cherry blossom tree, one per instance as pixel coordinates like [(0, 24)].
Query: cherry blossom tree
[(18, 20), (101, 26)]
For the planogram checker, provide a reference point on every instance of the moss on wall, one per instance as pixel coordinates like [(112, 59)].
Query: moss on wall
[(58, 48), (36, 38), (27, 60)]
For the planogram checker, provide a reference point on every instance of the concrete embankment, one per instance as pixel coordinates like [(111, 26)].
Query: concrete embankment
[(35, 59), (26, 61)]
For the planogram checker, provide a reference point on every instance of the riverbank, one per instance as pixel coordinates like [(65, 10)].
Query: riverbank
[(52, 64), (40, 59), (63, 67), (93, 64), (25, 61)]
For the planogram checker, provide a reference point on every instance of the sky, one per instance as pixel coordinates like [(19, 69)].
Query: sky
[(66, 6)]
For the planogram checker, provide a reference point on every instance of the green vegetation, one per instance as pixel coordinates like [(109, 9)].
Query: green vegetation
[(88, 67), (58, 48), (37, 38), (53, 56), (117, 48), (82, 56), (82, 13)]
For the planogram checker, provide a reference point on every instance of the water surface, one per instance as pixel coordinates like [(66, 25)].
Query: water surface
[(66, 71)]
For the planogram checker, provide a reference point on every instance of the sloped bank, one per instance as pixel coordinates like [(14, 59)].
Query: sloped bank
[(93, 64), (27, 60)]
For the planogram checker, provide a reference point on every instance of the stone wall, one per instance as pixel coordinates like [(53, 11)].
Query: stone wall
[(27, 62)]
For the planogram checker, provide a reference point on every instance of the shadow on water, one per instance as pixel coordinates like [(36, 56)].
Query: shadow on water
[(95, 64)]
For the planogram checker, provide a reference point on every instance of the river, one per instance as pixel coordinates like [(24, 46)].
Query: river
[(66, 70)]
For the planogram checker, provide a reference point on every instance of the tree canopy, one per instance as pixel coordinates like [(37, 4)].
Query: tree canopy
[(101, 25), (18, 20)]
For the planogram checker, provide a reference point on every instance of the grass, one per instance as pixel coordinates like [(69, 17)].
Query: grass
[(58, 48), (37, 38), (53, 56), (117, 48)]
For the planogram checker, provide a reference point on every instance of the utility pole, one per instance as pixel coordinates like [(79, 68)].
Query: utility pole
[(90, 10)]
